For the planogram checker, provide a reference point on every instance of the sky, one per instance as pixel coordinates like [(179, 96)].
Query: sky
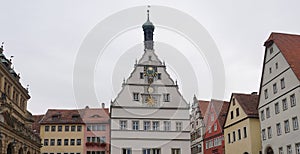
[(45, 37)]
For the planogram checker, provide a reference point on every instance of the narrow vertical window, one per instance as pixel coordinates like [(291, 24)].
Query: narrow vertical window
[(245, 132), (228, 135), (239, 134), (266, 93), (263, 134), (262, 115), (237, 112), (233, 136), (282, 83), (269, 132), (268, 112), (293, 100), (284, 104), (277, 108), (278, 128), (136, 96), (286, 126), (274, 88), (295, 123)]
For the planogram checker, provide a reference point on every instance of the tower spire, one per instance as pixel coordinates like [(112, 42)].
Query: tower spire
[(148, 29), (1, 48)]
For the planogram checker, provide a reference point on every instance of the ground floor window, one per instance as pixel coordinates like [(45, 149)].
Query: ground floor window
[(175, 151)]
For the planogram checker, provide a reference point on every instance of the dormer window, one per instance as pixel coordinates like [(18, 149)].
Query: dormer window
[(75, 117)]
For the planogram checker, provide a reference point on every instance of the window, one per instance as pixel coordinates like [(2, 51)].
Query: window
[(297, 146), (289, 149), (155, 125), (293, 100), (215, 127), (78, 141), (136, 96), (237, 112), (175, 151), (228, 136), (46, 142), (263, 134), (239, 134), (231, 114), (72, 142), (159, 76), (209, 129), (268, 112), (276, 65), (233, 102), (270, 70), (151, 151), (295, 123), (73, 128), (277, 108), (282, 83), (245, 132), (266, 93), (123, 124), (167, 125), (141, 75), (178, 126), (274, 88), (278, 129), (67, 128), (147, 125), (79, 128), (271, 50), (46, 128), (269, 132), (166, 97), (52, 142), (59, 128), (262, 115), (102, 139), (286, 126), (280, 150), (284, 104), (126, 151), (233, 136), (58, 142), (66, 142), (53, 128), (135, 125)]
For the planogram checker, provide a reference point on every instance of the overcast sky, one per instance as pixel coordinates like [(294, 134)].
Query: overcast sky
[(45, 36)]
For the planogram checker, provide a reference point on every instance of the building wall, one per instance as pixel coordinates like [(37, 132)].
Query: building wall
[(76, 149), (103, 147), (292, 86)]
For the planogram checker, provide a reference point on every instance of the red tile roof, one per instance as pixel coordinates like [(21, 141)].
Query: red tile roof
[(36, 123), (289, 45), (76, 116), (203, 106), (63, 117), (95, 115), (248, 102)]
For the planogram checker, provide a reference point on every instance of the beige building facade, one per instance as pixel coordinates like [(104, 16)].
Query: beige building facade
[(242, 127)]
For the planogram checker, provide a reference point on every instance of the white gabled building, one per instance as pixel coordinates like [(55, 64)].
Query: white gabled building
[(149, 115), (279, 107)]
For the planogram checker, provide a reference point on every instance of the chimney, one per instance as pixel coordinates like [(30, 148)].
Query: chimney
[(103, 105)]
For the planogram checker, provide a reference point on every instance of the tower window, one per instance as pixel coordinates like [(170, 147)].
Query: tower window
[(159, 76), (141, 75), (136, 96), (166, 97)]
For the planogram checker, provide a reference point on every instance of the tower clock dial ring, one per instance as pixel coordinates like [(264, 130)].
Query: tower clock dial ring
[(150, 90)]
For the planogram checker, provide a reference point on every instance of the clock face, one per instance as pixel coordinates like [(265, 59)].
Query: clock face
[(150, 71), (150, 90)]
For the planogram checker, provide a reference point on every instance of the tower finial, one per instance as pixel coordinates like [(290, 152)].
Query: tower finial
[(148, 12)]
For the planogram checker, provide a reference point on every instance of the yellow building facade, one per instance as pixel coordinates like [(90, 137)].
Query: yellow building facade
[(62, 132), (242, 127)]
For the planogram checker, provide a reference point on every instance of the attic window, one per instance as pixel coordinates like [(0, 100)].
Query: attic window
[(271, 50), (75, 116), (95, 116), (233, 102), (56, 116)]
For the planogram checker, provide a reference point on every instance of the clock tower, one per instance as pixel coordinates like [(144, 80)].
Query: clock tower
[(149, 115)]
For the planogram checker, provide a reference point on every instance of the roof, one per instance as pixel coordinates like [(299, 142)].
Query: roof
[(76, 116), (55, 116), (95, 115), (203, 105), (289, 45), (220, 108), (36, 123), (248, 102)]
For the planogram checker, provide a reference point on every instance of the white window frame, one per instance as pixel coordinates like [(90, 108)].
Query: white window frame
[(123, 124), (287, 126), (155, 125), (295, 123), (277, 108), (282, 83), (293, 100), (135, 125), (178, 126), (167, 125), (278, 129)]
